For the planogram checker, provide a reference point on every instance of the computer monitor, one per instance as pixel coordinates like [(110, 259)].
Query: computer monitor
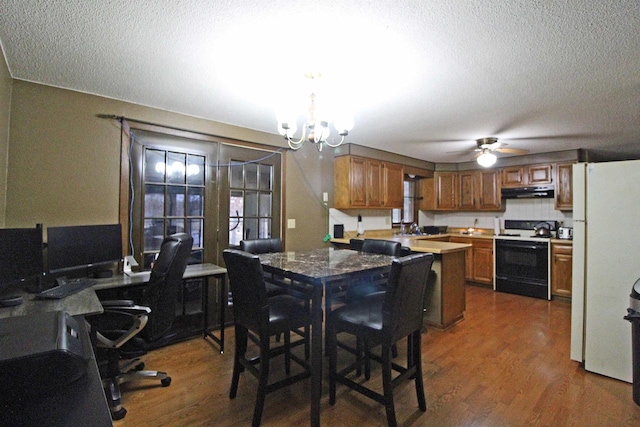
[(86, 250), (20, 256)]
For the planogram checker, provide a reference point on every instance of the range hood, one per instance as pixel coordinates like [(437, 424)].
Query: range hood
[(542, 191)]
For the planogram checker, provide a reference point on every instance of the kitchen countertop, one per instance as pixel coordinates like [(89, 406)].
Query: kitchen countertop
[(419, 243)]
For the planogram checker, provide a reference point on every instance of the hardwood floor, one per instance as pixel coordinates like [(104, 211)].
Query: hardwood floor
[(506, 364)]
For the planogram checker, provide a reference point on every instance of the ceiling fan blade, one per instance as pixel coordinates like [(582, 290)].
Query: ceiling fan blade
[(512, 150)]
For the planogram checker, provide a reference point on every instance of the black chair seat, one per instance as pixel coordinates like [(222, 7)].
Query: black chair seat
[(285, 314), (361, 317)]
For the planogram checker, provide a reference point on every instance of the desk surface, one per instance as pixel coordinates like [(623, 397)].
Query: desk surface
[(324, 264), (192, 271), (84, 302)]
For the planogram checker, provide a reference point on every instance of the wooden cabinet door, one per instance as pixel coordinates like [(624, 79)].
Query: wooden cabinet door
[(539, 174), (468, 256), (564, 187), (467, 190), (561, 269), (483, 261), (489, 196), (427, 194), (513, 176), (393, 187), (358, 182), (374, 187), (446, 190)]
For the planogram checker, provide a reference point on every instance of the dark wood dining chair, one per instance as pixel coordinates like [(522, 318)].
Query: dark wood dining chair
[(382, 319), (257, 318)]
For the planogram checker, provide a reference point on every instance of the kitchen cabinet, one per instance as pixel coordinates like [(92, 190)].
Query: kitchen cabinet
[(564, 187), (522, 176), (473, 190), (367, 183), (561, 269), (478, 259)]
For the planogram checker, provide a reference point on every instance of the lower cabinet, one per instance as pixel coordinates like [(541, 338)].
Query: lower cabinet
[(479, 259), (561, 269)]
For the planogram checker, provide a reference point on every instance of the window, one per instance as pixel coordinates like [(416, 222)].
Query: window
[(174, 200), (409, 213), (250, 201)]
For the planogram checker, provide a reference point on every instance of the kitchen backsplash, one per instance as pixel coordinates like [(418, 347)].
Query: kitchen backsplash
[(531, 209)]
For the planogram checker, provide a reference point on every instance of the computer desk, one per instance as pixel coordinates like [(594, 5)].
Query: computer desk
[(83, 401), (194, 271)]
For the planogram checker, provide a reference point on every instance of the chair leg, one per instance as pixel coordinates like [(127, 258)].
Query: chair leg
[(388, 387), (333, 356), (262, 380), (417, 360), (287, 352), (241, 349)]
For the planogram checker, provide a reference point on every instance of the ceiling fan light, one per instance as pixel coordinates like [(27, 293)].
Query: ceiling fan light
[(487, 159)]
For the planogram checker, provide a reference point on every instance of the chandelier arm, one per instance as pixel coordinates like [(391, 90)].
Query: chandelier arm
[(334, 145), (295, 145)]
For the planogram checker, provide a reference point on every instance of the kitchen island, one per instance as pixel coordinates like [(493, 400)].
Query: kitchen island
[(445, 298)]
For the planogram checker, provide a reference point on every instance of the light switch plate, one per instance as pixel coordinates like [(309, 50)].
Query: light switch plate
[(291, 223)]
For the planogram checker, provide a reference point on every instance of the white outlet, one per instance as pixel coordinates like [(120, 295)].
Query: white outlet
[(325, 197), (291, 223)]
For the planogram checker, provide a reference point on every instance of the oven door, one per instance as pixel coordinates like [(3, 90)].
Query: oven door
[(522, 267)]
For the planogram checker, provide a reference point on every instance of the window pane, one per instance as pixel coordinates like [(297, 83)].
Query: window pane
[(236, 180), (251, 203), (175, 226), (176, 167), (236, 203), (154, 166), (153, 200), (175, 201), (396, 215), (195, 201), (195, 229), (251, 175), (235, 231), (265, 177), (265, 228), (251, 228), (195, 170), (265, 204), (153, 234)]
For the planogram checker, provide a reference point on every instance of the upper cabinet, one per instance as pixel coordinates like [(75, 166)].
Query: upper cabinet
[(564, 186), (466, 190), (521, 176), (367, 183)]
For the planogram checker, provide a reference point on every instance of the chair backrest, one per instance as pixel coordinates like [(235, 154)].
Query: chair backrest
[(381, 247), (403, 306), (355, 244), (261, 246), (161, 292), (246, 281)]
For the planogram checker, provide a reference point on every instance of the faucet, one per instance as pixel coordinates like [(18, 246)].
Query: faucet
[(413, 228)]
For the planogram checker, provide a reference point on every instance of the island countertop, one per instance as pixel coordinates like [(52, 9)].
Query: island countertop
[(419, 244)]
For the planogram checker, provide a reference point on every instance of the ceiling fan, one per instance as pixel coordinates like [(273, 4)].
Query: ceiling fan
[(487, 146)]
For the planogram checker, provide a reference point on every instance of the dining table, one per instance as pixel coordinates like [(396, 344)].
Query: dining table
[(322, 271)]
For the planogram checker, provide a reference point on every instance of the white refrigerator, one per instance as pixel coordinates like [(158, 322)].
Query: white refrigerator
[(606, 264)]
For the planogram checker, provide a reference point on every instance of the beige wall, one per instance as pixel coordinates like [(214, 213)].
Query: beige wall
[(5, 108), (64, 162)]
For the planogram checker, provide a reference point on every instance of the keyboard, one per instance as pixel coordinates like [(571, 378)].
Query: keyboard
[(65, 287)]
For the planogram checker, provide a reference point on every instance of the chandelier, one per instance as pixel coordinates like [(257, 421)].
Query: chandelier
[(316, 129)]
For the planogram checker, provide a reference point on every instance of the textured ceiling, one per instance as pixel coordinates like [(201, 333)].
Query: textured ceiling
[(422, 78)]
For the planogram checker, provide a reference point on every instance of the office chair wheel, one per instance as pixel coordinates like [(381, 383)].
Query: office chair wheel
[(139, 366), (119, 414), (166, 382)]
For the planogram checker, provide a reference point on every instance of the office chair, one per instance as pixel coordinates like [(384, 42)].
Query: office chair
[(382, 319), (126, 330), (257, 317)]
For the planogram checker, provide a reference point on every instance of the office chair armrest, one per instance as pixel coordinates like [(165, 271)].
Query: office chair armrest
[(118, 303), (139, 316)]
